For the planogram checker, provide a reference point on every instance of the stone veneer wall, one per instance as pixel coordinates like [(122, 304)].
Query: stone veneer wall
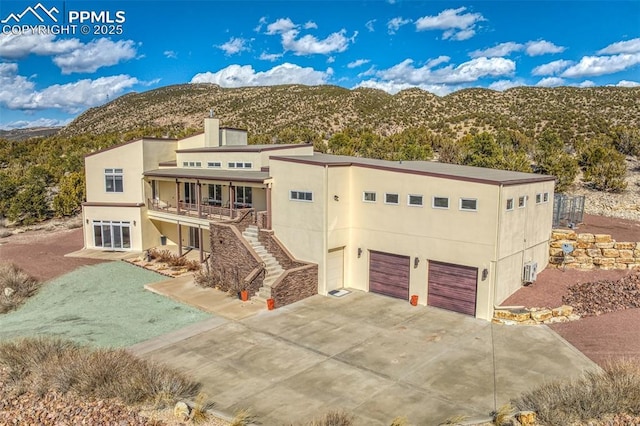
[(230, 251), (295, 284), (268, 239), (592, 251)]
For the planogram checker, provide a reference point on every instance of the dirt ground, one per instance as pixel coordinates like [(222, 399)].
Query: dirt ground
[(41, 253), (619, 229)]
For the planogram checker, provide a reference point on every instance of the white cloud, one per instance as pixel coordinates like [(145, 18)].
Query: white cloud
[(40, 122), (531, 48), (261, 22), (393, 88), (394, 24), (369, 25), (281, 26), (586, 83), (455, 24), (600, 65), (627, 83), (96, 54), (234, 45), (18, 92), (466, 72), (552, 68), (20, 46), (308, 44), (551, 82), (170, 54), (502, 49), (264, 56), (502, 85), (331, 59), (628, 46), (310, 25), (368, 73), (358, 63), (240, 76), (542, 47)]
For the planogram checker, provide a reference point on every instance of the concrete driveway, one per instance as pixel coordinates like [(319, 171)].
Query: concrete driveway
[(369, 355)]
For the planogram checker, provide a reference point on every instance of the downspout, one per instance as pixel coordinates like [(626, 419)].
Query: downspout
[(497, 250), (325, 236)]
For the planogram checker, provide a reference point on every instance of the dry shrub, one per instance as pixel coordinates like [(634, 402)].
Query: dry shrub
[(22, 285), (242, 418), (171, 259), (5, 233), (41, 364), (595, 395), (334, 418)]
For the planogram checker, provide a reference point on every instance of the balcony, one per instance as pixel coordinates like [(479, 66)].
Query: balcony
[(212, 210)]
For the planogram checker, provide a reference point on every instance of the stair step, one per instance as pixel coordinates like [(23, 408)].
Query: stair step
[(259, 299)]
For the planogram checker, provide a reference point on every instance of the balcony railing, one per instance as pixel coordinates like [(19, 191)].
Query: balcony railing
[(202, 211)]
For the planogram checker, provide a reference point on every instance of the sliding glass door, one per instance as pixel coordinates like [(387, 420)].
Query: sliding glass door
[(111, 235)]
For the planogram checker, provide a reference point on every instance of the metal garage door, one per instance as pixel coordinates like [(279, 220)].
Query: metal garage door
[(389, 274), (452, 287), (335, 269)]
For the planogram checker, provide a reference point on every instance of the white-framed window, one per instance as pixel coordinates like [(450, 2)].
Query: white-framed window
[(244, 196), (185, 164), (414, 200), (538, 198), (239, 165), (214, 164), (469, 204), (509, 204), (522, 201), (301, 195), (113, 180), (391, 198), (542, 197), (112, 235), (369, 197), (440, 202), (545, 197), (192, 164)]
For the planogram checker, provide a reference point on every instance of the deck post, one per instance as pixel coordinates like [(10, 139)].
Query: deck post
[(177, 197), (200, 237), (199, 198), (179, 239), (268, 224)]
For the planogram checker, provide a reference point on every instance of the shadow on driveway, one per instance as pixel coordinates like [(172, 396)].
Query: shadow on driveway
[(370, 355)]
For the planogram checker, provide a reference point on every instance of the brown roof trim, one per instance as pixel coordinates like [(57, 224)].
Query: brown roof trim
[(202, 177), (129, 142), (233, 128), (99, 204), (542, 178), (244, 148), (172, 163)]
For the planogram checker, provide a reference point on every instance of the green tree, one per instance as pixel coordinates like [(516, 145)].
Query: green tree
[(69, 199), (603, 166), (484, 151), (551, 158), (29, 205)]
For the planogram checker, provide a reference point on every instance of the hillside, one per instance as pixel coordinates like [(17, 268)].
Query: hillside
[(327, 109)]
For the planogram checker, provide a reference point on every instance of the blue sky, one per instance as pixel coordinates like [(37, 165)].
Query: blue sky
[(50, 71)]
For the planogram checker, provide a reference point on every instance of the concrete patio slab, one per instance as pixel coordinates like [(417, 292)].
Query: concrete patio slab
[(372, 356)]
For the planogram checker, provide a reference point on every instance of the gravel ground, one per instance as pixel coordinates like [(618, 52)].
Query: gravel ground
[(101, 305)]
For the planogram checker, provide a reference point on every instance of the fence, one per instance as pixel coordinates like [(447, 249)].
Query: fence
[(567, 210)]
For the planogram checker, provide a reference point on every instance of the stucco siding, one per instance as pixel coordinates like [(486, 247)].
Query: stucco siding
[(124, 214)]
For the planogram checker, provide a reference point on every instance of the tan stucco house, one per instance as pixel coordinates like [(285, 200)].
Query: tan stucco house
[(457, 237)]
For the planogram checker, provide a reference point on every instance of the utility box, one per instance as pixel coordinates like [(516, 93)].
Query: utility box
[(530, 272)]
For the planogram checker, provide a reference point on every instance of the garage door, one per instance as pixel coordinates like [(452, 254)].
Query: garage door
[(389, 274), (452, 287), (335, 269)]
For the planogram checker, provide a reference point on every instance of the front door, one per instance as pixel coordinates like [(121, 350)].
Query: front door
[(111, 235), (194, 237), (190, 193)]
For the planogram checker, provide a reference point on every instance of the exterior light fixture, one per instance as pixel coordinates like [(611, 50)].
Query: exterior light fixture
[(336, 198), (416, 262), (359, 252), (485, 274), (134, 223)]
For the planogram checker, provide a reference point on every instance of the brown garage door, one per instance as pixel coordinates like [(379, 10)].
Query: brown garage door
[(389, 274), (452, 287)]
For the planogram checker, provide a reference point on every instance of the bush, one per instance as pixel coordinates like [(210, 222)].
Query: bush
[(166, 256), (596, 395), (333, 418), (42, 364), (21, 285), (69, 200), (604, 167), (551, 158)]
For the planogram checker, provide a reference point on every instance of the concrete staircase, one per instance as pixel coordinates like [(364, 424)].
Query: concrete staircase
[(273, 268)]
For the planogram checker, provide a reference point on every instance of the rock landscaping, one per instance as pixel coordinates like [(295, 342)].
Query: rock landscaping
[(534, 316), (595, 298), (592, 251)]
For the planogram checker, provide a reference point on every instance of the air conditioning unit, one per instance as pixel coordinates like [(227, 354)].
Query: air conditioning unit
[(530, 272)]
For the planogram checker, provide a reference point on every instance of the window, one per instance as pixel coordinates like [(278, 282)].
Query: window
[(538, 198), (213, 164), (198, 164), (113, 180), (440, 203), (301, 195), (391, 199), (239, 165), (545, 197), (185, 164), (191, 164), (215, 195), (469, 204), (522, 201), (111, 234), (414, 200), (509, 203), (369, 197), (243, 196)]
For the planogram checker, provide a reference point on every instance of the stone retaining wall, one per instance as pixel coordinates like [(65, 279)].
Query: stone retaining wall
[(534, 316), (592, 251)]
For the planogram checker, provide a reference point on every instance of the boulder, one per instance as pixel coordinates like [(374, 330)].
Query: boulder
[(526, 418), (564, 311), (541, 315), (610, 252), (586, 238), (602, 238), (181, 411), (517, 315), (625, 246), (8, 292)]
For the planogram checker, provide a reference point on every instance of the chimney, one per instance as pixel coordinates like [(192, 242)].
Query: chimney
[(211, 130)]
